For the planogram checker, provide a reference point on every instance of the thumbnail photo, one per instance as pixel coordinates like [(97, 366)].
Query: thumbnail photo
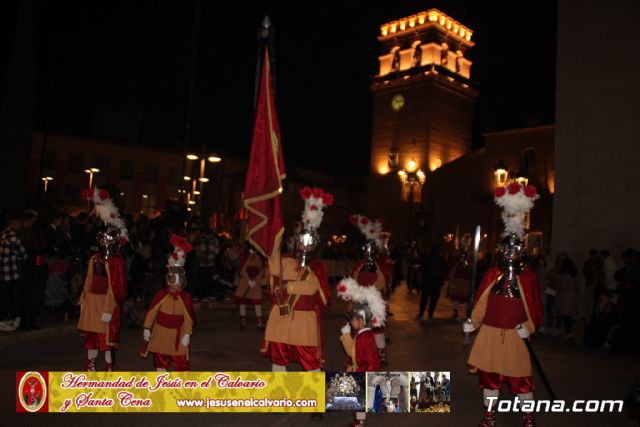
[(345, 391), (430, 391), (387, 392)]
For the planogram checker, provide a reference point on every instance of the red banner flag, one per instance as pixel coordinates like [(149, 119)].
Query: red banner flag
[(263, 185)]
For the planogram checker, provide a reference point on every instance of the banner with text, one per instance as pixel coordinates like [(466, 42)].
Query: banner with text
[(170, 392)]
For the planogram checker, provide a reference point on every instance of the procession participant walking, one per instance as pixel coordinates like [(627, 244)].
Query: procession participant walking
[(294, 331), (252, 274), (169, 322), (105, 286), (373, 271), (434, 272), (506, 310)]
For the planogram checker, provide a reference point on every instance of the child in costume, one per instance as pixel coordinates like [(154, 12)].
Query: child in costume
[(367, 311), (374, 269), (252, 275), (170, 319)]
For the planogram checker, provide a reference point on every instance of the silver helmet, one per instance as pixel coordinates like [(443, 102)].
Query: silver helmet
[(363, 311), (108, 243), (371, 251), (176, 278), (511, 251), (307, 242)]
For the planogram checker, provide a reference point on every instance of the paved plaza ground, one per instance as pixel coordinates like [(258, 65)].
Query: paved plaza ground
[(576, 372)]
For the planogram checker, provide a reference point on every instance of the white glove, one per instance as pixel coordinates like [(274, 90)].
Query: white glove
[(106, 317), (146, 334), (522, 331), (185, 340), (346, 329), (251, 284), (467, 326)]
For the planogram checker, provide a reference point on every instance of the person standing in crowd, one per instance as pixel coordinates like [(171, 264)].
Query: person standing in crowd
[(567, 290), (599, 323), (207, 249), (553, 276), (539, 266), (53, 236), (35, 270), (591, 267), (624, 339), (609, 268), (434, 272), (460, 285), (12, 258), (414, 281)]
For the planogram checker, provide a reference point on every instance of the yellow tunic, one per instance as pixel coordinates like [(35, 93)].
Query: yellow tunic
[(93, 306), (498, 350), (299, 327), (163, 340), (243, 290)]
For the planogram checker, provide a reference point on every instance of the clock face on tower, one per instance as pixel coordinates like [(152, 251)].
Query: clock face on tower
[(397, 102)]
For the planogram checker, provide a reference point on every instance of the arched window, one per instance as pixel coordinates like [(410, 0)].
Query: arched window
[(529, 162), (395, 63), (417, 54), (458, 61), (444, 55)]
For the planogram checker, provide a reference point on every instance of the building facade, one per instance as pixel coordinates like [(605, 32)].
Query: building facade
[(597, 152)]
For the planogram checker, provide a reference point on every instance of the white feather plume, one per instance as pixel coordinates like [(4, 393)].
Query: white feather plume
[(350, 290), (514, 208), (372, 230), (313, 212), (108, 213)]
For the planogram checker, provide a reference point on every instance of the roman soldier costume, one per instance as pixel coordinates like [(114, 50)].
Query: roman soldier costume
[(368, 308), (169, 322), (252, 274), (366, 303), (105, 286), (506, 309), (294, 331), (373, 270)]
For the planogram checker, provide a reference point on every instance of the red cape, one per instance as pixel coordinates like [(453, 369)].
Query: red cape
[(529, 286), (366, 352), (383, 265), (183, 295), (118, 285)]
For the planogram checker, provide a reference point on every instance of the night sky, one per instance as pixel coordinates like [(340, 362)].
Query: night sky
[(131, 60)]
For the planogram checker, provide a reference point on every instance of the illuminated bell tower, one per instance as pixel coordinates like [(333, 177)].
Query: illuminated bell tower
[(423, 99)]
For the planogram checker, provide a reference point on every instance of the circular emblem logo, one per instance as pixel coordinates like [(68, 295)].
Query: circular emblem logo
[(32, 391)]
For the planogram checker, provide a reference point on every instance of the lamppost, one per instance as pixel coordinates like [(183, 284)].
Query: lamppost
[(522, 177), (46, 180), (91, 171), (201, 179), (501, 173), (412, 178)]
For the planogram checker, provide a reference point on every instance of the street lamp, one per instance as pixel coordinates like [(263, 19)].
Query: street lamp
[(522, 177), (501, 172), (412, 178), (46, 180), (202, 179), (91, 171)]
